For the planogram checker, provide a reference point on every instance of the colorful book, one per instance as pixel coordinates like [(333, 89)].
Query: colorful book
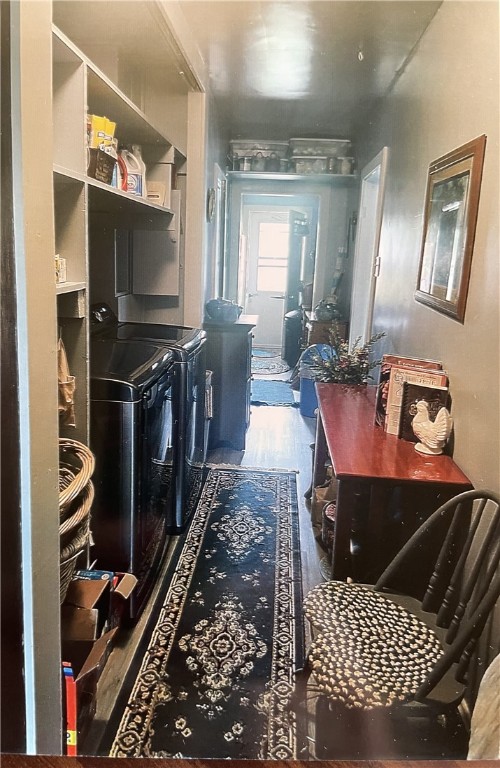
[(385, 371), (398, 376), (71, 709), (436, 398)]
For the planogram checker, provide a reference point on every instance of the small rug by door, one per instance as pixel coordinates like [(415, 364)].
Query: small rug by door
[(265, 392), (219, 659), (266, 366), (263, 352)]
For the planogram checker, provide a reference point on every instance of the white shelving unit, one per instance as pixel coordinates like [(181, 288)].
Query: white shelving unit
[(88, 212)]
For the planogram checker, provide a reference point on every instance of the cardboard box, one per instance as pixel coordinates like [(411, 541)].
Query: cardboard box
[(100, 165), (95, 604), (97, 601), (86, 608), (88, 659), (123, 586)]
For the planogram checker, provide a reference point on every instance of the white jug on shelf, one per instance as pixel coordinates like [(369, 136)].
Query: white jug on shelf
[(137, 153), (135, 179)]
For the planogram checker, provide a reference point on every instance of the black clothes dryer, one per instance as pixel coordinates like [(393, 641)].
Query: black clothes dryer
[(188, 347), (135, 437)]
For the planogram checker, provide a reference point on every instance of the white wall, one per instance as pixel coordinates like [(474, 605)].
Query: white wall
[(447, 96)]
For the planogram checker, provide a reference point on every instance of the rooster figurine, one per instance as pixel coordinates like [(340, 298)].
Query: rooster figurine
[(433, 435)]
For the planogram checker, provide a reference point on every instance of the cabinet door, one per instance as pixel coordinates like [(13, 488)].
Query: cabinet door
[(228, 356), (155, 260)]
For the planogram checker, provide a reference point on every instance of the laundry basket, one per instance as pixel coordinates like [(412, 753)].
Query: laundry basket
[(76, 493)]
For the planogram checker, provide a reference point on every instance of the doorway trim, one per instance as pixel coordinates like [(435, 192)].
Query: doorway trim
[(367, 258)]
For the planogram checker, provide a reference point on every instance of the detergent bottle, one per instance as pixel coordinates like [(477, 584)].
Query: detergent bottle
[(137, 153), (122, 174), (134, 172)]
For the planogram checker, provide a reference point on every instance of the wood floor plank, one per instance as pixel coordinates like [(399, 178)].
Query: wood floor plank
[(46, 761)]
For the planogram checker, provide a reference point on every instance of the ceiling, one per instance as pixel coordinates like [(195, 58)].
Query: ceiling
[(278, 69), (285, 69)]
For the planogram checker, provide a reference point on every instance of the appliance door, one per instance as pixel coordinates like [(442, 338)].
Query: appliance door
[(192, 421), (134, 443), (159, 467)]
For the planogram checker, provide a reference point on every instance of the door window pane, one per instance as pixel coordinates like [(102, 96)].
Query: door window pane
[(273, 257), (271, 279)]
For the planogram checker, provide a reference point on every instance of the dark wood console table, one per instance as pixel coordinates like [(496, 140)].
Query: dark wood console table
[(375, 472), (229, 357)]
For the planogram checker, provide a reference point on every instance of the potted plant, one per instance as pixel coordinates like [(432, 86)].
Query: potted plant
[(339, 363)]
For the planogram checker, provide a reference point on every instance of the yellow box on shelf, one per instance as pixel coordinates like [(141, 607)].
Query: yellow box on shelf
[(100, 130)]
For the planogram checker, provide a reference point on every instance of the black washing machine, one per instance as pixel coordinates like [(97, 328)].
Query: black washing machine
[(188, 347), (135, 436)]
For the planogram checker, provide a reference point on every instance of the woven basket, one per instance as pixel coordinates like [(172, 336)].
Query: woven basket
[(76, 493), (76, 463), (80, 511)]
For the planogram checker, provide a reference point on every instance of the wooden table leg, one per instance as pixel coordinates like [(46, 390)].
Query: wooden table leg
[(320, 455), (341, 560)]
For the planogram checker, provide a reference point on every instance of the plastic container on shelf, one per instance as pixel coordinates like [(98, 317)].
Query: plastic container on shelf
[(258, 162), (137, 153), (273, 163), (250, 147), (135, 177), (305, 165), (326, 147), (346, 165)]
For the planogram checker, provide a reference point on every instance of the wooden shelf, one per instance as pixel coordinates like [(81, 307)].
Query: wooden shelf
[(322, 178), (69, 287), (105, 98), (105, 198)]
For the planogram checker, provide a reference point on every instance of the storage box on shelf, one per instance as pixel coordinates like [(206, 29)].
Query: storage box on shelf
[(251, 147), (300, 156), (319, 147), (306, 165), (256, 155)]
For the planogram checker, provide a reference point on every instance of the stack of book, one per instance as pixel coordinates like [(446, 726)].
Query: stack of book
[(403, 382)]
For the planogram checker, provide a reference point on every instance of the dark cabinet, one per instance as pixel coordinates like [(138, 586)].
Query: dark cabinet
[(229, 354)]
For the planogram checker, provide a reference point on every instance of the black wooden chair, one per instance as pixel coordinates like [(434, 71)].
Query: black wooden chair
[(389, 663)]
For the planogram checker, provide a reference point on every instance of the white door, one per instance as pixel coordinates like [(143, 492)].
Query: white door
[(267, 271), (366, 253)]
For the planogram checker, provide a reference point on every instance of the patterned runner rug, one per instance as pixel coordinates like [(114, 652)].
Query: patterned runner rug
[(218, 669)]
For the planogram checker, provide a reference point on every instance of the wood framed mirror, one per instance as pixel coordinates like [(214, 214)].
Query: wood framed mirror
[(450, 214)]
